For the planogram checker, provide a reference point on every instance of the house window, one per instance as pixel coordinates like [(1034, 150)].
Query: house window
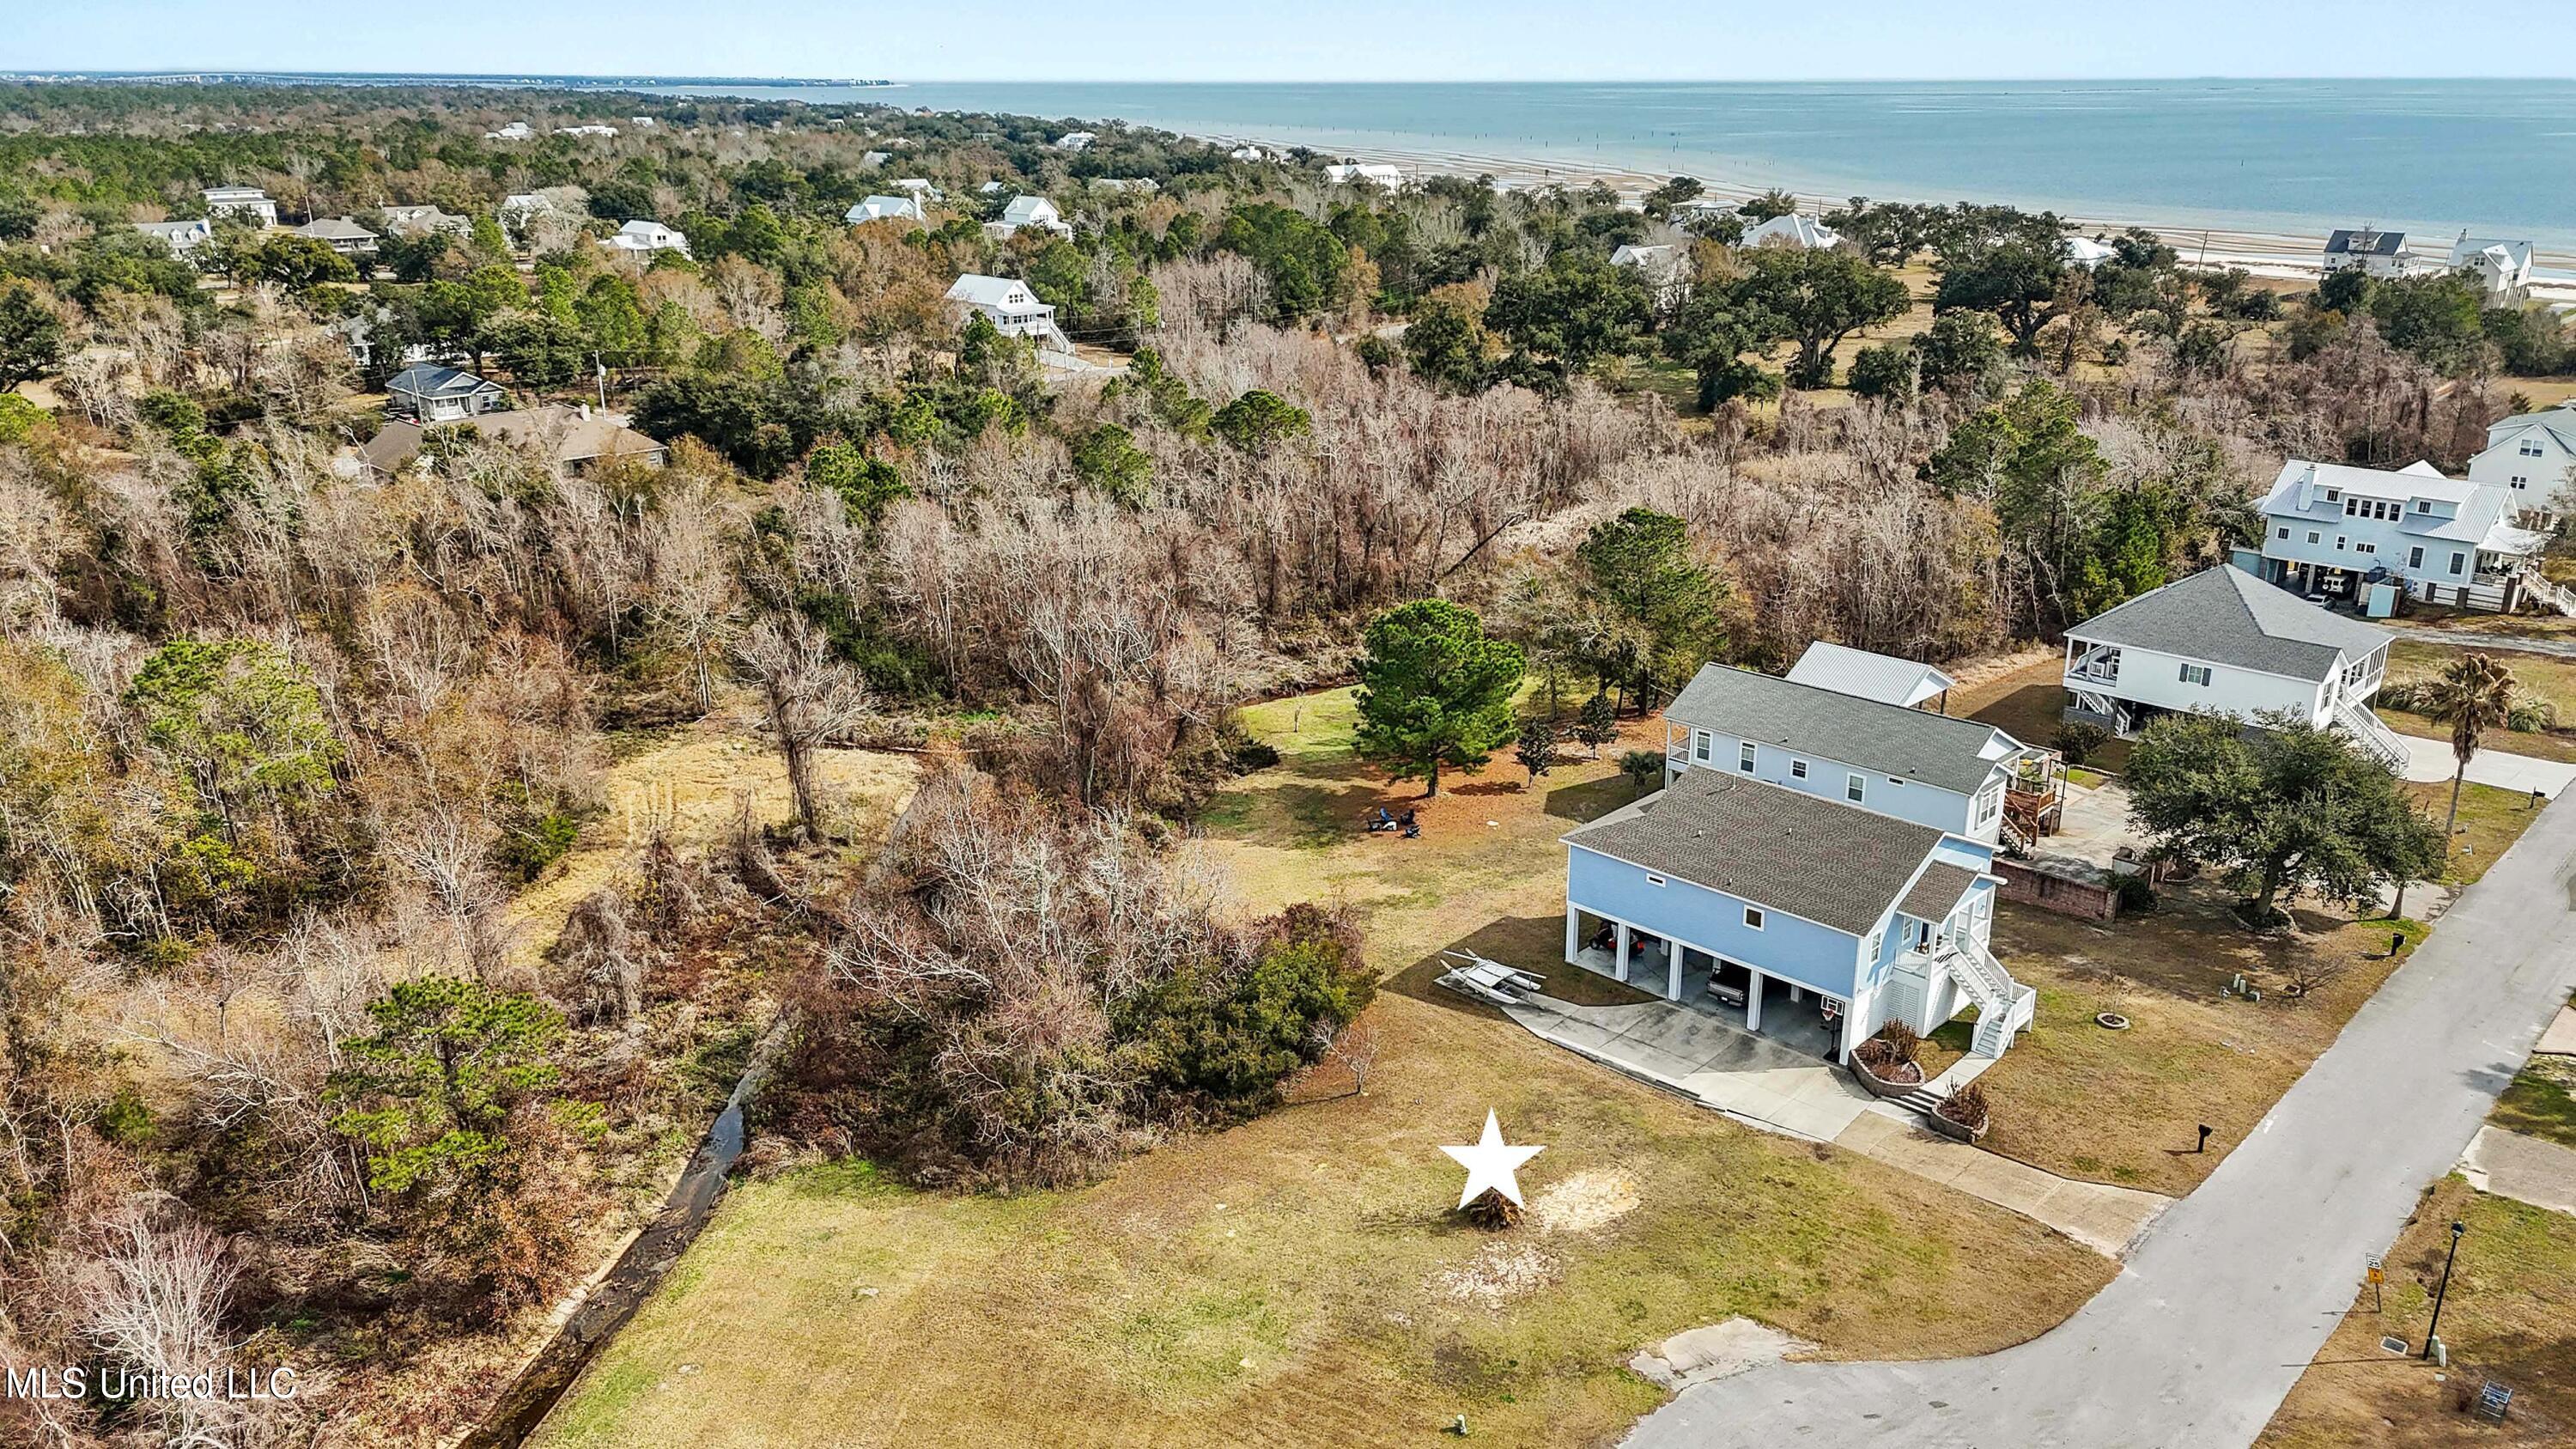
[(1699, 746), (2281, 533), (2415, 557), (2340, 539), (2196, 674), (1744, 757), (2351, 506), (1654, 880), (2333, 493), (1854, 788), (2365, 548), (2459, 561), (1753, 918), (2520, 481), (2530, 448), (2423, 505), (1797, 769), (2312, 535)]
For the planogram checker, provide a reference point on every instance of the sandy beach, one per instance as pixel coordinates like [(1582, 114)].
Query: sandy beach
[(2281, 255)]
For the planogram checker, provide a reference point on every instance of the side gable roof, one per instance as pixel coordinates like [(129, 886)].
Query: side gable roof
[(1887, 739), (1882, 677), (1775, 847), (2227, 616)]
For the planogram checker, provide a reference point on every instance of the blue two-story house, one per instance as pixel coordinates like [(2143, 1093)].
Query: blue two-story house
[(1776, 899)]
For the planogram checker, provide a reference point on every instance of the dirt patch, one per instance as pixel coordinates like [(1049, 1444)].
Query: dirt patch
[(1500, 1272), (1584, 1202)]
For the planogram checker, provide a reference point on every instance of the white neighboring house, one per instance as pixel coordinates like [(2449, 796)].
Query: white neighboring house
[(2530, 455), (2085, 252), (250, 201), (2502, 267), (1075, 141), (519, 208), (2330, 528), (886, 208), (1665, 269), (1364, 173), (1013, 309), (1882, 677), (182, 237), (2379, 253), (1247, 153), (875, 159), (515, 131), (1804, 233), (643, 238), (341, 234), (916, 186), (1027, 211), (992, 188), (2223, 642), (589, 130), (419, 220)]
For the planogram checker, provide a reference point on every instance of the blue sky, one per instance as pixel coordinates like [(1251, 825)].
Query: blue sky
[(1270, 40)]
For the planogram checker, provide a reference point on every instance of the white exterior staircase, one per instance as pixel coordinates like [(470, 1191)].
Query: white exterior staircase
[(2004, 1005), (2376, 739), (2537, 585)]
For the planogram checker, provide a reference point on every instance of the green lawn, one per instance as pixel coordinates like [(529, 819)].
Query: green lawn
[(2542, 1101), (2490, 821), (1300, 1279), (2541, 676)]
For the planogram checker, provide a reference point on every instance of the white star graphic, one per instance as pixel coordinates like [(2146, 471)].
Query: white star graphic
[(1490, 1164)]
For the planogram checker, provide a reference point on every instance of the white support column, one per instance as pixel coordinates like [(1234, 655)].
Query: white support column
[(1753, 1003), (1850, 1037), (1796, 993), (1619, 946), (1672, 969), (1573, 931)]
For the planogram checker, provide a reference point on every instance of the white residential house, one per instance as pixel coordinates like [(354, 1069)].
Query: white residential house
[(341, 234), (2223, 642), (518, 207), (2379, 253), (916, 186), (588, 130), (1665, 268), (421, 220), (1027, 211), (2085, 252), (1804, 233), (642, 238), (515, 131), (992, 188), (183, 237), (430, 393), (250, 201), (1075, 141), (2333, 529), (1247, 153), (2502, 267), (886, 208), (1882, 677), (1364, 174), (2532, 456), (875, 159), (1013, 309)]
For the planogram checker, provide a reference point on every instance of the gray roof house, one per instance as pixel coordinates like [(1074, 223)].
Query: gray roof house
[(183, 237), (341, 234), (2222, 642), (2380, 253), (1949, 774), (569, 437), (432, 393)]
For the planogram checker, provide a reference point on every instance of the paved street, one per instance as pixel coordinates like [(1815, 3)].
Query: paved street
[(2232, 1290), (2476, 639), (2430, 760)]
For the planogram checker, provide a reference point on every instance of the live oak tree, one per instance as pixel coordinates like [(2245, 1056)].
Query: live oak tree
[(2286, 808), (2012, 265), (1712, 335), (1573, 312), (1819, 297), (1434, 691), (31, 336)]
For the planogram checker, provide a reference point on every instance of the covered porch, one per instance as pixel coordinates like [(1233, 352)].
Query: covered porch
[(1809, 1022)]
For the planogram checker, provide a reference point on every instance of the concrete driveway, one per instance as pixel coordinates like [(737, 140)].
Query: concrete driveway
[(2430, 760), (2230, 1293), (1692, 1052)]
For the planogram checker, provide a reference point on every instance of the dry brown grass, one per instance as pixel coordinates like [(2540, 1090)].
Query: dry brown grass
[(2122, 1106), (2510, 1314), (1296, 1280), (2028, 701)]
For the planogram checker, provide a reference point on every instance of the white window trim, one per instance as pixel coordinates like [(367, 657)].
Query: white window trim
[(1753, 918), (1745, 755), (1654, 880), (1856, 788), (1797, 769)]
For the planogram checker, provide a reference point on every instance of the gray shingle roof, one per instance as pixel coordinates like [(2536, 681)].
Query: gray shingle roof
[(1831, 864), (1938, 891), (2225, 615), (2346, 242), (1886, 739), (430, 379)]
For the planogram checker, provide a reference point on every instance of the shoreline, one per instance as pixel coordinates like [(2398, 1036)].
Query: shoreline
[(2281, 255)]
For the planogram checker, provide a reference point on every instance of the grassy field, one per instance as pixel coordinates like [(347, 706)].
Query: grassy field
[(1299, 1280), (2490, 821), (2542, 676), (2510, 1314), (2542, 1101), (2029, 703)]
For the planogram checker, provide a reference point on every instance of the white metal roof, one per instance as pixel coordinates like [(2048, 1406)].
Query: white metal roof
[(1882, 677)]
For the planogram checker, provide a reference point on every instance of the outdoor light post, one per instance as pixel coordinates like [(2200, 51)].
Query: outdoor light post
[(2432, 1330)]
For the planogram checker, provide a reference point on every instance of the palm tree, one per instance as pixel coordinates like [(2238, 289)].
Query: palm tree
[(2473, 696)]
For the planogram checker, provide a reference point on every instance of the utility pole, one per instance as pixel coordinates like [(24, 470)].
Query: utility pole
[(2431, 1334)]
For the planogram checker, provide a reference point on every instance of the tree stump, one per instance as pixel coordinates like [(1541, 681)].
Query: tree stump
[(1492, 1211)]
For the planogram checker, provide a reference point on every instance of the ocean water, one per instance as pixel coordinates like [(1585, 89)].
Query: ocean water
[(2497, 158)]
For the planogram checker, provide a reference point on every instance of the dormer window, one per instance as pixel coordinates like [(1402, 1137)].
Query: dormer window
[(2333, 494), (2423, 505)]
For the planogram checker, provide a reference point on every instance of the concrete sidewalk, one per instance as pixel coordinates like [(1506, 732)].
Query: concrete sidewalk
[(2430, 760), (2526, 1169), (2101, 1217)]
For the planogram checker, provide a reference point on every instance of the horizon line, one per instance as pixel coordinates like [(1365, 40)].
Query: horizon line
[(893, 82)]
